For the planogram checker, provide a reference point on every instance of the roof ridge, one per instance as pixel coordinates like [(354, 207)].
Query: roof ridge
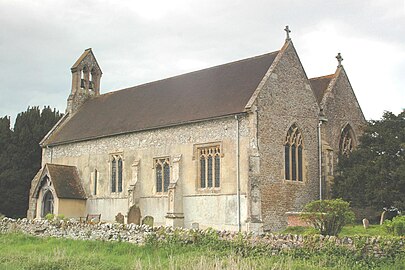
[(60, 165), (187, 73), (325, 76)]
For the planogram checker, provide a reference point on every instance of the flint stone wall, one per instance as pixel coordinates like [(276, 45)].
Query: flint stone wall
[(137, 234)]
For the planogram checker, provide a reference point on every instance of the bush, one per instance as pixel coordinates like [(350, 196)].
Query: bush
[(396, 226), (49, 217), (328, 216)]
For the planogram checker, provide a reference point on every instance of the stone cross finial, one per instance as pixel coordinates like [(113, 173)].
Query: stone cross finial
[(340, 59), (288, 31)]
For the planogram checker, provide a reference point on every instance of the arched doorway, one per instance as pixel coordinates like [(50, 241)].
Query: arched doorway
[(47, 203)]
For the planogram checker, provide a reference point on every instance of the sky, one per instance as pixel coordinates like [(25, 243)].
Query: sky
[(136, 42)]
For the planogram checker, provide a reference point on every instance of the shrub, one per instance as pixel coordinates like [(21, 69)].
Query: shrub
[(49, 216), (395, 226), (328, 216)]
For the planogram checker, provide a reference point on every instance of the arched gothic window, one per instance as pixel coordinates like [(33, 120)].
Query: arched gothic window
[(346, 142), (293, 154), (116, 173), (162, 167), (47, 203), (210, 166)]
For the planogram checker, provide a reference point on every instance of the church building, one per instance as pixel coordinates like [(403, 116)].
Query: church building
[(239, 146)]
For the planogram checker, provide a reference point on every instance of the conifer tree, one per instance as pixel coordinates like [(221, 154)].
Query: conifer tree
[(24, 156), (374, 174)]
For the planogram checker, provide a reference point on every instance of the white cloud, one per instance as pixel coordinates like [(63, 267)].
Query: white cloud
[(142, 41), (372, 66)]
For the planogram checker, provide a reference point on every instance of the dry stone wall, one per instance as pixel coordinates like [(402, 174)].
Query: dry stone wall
[(138, 234)]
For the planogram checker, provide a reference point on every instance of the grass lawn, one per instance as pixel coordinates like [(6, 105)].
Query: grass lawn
[(349, 230), (18, 251)]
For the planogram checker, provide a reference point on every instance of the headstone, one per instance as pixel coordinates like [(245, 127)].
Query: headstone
[(366, 223), (195, 225), (134, 215), (119, 218), (382, 217), (148, 220)]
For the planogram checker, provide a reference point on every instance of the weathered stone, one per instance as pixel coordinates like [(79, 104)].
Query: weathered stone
[(366, 223), (120, 218), (382, 219), (148, 220)]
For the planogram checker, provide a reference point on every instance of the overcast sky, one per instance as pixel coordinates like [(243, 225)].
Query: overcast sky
[(141, 41)]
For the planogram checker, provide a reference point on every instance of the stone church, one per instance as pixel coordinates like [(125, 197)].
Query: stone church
[(239, 146)]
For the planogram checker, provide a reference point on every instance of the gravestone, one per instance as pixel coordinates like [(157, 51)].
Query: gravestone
[(366, 223), (382, 217), (134, 215), (119, 218), (148, 220), (195, 225)]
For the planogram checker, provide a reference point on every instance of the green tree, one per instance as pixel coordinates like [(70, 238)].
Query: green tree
[(374, 174), (5, 159), (23, 158), (328, 216)]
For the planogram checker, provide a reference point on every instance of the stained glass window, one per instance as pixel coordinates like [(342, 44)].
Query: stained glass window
[(162, 166), (116, 174), (166, 177), (217, 170), (210, 167), (159, 177), (209, 184), (95, 182), (113, 175), (119, 175), (287, 161), (202, 171), (346, 143), (293, 155)]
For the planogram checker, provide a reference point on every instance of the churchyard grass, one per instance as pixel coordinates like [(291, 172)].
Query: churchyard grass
[(348, 230), (18, 251)]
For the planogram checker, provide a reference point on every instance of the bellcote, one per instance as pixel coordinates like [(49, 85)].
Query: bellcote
[(86, 75)]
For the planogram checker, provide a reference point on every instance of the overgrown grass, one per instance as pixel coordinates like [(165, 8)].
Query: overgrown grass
[(348, 230), (372, 230), (18, 251)]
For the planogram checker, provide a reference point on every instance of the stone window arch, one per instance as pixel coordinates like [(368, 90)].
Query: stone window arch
[(209, 166), (346, 141), (162, 174), (47, 203), (116, 173), (293, 154)]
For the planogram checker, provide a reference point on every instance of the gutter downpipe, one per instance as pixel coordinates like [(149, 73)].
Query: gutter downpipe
[(322, 119), (320, 159), (238, 172)]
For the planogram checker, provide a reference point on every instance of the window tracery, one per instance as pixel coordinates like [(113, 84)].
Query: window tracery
[(346, 143), (293, 155), (209, 167), (162, 167), (116, 173)]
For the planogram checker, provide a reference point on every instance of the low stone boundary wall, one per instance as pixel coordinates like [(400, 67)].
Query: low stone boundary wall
[(77, 230), (138, 234)]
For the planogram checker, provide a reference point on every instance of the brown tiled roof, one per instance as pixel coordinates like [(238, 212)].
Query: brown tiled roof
[(208, 93), (66, 181), (319, 86)]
